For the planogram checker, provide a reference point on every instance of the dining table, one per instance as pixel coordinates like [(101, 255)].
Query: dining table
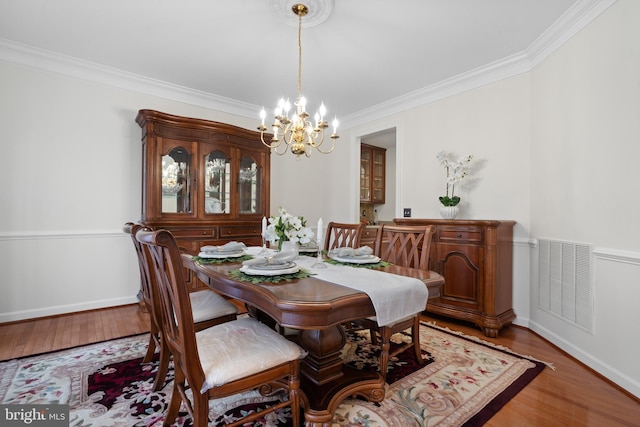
[(317, 309)]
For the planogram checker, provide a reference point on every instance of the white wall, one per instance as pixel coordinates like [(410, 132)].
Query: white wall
[(585, 147), (71, 175)]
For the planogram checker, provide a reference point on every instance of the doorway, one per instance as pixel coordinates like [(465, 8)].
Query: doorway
[(374, 213)]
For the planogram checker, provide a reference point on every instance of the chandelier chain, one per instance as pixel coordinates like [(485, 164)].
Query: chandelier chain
[(299, 54)]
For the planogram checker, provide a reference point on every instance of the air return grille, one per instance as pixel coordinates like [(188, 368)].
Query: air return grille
[(565, 286)]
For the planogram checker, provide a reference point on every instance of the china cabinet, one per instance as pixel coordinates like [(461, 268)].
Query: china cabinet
[(206, 182), (475, 257), (372, 174)]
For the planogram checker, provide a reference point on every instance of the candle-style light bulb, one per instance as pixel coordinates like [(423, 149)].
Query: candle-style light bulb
[(263, 115), (335, 125), (322, 110)]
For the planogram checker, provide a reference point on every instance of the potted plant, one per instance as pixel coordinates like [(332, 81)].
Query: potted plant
[(456, 171)]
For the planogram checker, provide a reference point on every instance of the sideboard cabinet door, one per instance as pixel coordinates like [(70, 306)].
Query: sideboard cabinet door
[(475, 258)]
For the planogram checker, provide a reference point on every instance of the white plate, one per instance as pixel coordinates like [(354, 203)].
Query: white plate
[(257, 272), (221, 255), (266, 267), (358, 259)]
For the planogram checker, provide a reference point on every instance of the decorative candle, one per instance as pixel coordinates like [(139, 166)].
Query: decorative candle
[(319, 235), (264, 225)]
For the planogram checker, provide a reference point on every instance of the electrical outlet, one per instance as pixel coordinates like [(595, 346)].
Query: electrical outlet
[(407, 212)]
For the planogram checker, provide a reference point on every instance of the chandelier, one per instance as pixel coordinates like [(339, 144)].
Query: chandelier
[(297, 132)]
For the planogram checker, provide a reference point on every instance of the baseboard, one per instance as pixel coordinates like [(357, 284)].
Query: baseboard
[(626, 383), (65, 309)]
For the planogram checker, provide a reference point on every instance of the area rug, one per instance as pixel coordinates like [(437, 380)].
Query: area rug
[(463, 382)]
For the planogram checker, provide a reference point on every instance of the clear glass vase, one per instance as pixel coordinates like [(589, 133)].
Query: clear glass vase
[(288, 245)]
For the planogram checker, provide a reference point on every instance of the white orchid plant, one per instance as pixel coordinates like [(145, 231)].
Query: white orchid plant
[(287, 227), (456, 172)]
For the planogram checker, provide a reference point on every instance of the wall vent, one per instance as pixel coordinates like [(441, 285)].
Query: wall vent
[(565, 281)]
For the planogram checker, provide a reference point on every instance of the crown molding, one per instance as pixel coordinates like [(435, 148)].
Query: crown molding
[(581, 14), (29, 56), (570, 23), (576, 18)]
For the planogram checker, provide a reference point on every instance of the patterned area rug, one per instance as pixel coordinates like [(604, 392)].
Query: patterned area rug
[(463, 382)]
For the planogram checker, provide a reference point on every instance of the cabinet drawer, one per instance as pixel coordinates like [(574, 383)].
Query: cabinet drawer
[(445, 234), (239, 230), (369, 235), (209, 232)]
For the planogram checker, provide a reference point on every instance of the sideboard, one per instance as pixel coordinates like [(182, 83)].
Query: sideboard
[(475, 257)]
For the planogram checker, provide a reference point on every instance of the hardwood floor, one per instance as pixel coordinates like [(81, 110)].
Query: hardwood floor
[(572, 395)]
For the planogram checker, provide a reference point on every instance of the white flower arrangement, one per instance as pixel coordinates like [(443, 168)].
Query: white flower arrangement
[(287, 227), (456, 171)]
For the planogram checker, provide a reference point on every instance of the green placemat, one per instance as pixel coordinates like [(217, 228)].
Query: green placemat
[(239, 275), (350, 264), (221, 260)]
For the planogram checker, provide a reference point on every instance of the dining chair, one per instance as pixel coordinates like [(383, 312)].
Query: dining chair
[(407, 246), (340, 235), (223, 360), (209, 308)]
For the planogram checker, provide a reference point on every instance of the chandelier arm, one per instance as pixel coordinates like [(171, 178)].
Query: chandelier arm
[(270, 145), (275, 150), (313, 140), (333, 146)]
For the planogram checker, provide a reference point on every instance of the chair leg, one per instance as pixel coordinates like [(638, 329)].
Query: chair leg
[(163, 367), (151, 349), (385, 338), (200, 409), (374, 336), (294, 398), (176, 398), (415, 336), (154, 339)]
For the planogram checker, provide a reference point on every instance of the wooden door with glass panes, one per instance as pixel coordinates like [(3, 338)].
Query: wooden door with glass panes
[(378, 175), (365, 174), (206, 182), (372, 174)]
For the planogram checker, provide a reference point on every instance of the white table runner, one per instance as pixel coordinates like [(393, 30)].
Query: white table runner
[(394, 297)]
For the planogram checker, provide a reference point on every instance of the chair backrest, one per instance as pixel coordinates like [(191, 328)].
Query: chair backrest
[(145, 285), (407, 246), (340, 235), (176, 314)]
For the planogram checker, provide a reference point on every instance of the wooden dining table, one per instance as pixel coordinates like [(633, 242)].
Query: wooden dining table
[(317, 309)]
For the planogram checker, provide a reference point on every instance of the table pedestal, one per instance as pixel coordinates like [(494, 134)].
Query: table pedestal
[(327, 381)]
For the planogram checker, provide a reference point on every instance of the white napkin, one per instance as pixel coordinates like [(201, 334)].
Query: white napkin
[(350, 252), (277, 259), (226, 248)]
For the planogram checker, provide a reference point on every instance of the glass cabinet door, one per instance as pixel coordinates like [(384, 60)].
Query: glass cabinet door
[(365, 175), (217, 183), (378, 176), (249, 186), (176, 181)]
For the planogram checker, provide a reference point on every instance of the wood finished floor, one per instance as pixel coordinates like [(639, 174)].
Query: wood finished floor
[(572, 395)]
